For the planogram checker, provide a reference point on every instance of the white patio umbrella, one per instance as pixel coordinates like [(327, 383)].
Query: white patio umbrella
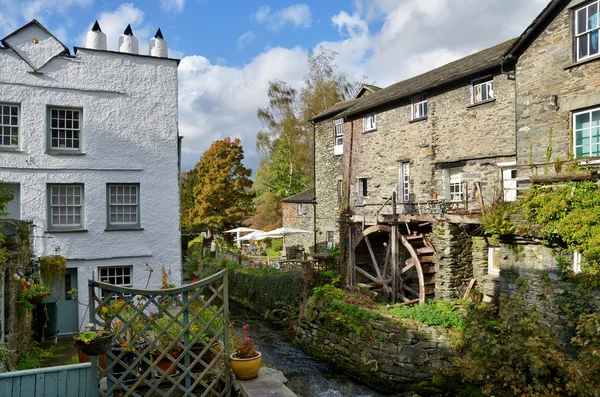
[(239, 230), (285, 231)]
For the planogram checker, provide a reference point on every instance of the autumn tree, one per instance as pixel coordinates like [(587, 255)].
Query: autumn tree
[(221, 187), (286, 141)]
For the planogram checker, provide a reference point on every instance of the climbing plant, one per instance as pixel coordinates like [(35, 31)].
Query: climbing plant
[(52, 270)]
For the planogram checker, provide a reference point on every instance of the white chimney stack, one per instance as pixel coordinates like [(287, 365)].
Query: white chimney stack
[(128, 42), (158, 46), (96, 40)]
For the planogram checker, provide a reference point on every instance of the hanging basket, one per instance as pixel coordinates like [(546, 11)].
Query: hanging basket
[(96, 347), (34, 300)]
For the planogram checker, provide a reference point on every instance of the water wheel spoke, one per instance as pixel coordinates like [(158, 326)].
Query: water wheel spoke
[(404, 298), (375, 265), (411, 290), (366, 274), (409, 265), (387, 256)]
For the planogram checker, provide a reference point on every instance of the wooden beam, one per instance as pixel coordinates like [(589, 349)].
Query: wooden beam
[(394, 240), (469, 288), (367, 275), (404, 298), (387, 255), (409, 289), (375, 265), (566, 177), (410, 266)]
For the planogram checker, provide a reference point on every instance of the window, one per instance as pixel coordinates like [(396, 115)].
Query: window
[(404, 182), (330, 243), (66, 206), (455, 186), (9, 126), (362, 187), (123, 206), (587, 133), (586, 30), (577, 262), (301, 209), (509, 181), (339, 137), (493, 260), (340, 190), (483, 90), (65, 130), (117, 275), (419, 107), (370, 122)]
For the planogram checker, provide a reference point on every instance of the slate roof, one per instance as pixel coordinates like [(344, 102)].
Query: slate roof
[(337, 108), (307, 196), (478, 62)]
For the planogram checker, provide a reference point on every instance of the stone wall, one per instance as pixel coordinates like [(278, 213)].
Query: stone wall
[(486, 283), (547, 68), (385, 353), (18, 328), (299, 216), (328, 170), (453, 269)]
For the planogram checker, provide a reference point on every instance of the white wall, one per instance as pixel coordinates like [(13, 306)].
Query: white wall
[(129, 135)]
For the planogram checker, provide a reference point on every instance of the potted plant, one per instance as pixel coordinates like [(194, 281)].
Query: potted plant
[(93, 342), (53, 269), (204, 336), (245, 361), (36, 293), (165, 332)]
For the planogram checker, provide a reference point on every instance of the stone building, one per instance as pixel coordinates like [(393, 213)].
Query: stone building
[(299, 213), (89, 144)]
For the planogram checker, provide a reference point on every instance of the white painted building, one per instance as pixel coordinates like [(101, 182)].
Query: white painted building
[(89, 143)]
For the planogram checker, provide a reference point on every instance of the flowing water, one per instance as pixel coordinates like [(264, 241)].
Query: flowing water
[(307, 376)]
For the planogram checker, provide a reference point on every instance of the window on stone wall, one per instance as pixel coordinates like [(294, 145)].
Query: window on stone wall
[(116, 275), (370, 122), (330, 242), (301, 209), (420, 107), (404, 182), (586, 133), (587, 28), (361, 191), (493, 260), (483, 90), (9, 126), (453, 184), (339, 137)]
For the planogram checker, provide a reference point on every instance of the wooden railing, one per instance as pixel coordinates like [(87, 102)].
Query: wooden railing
[(60, 381)]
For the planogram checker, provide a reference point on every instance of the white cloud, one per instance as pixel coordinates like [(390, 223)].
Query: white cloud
[(114, 23), (297, 15), (172, 5), (351, 25), (245, 39)]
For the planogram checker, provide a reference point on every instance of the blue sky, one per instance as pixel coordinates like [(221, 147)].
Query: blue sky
[(230, 49)]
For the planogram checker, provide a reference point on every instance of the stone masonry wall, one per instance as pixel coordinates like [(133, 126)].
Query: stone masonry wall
[(454, 257), (480, 136), (294, 218), (385, 353), (18, 329), (328, 170), (547, 68)]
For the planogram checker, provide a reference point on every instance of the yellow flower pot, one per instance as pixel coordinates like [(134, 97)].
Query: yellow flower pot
[(246, 368)]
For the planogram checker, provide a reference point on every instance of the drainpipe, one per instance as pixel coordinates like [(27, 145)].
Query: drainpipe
[(314, 187)]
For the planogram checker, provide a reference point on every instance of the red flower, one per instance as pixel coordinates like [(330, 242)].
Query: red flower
[(193, 281), (245, 326)]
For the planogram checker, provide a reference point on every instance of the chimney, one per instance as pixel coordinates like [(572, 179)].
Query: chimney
[(158, 46), (128, 42), (96, 40)]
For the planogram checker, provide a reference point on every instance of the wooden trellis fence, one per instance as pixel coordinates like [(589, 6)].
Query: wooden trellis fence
[(186, 326)]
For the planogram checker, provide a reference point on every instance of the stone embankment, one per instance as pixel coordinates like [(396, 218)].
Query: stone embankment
[(387, 353)]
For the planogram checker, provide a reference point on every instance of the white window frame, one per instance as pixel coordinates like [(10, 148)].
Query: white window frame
[(338, 137), (301, 210), (577, 262), (66, 200), (9, 124), (590, 129), (586, 34), (492, 251), (370, 122), (509, 184), (116, 208), (65, 134), (420, 107), (362, 188), (404, 182), (330, 239), (115, 279), (486, 88), (455, 185)]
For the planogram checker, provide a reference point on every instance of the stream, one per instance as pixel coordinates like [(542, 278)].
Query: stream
[(307, 376)]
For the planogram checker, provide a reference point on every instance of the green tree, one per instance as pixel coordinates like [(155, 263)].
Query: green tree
[(221, 194), (186, 197), (5, 198)]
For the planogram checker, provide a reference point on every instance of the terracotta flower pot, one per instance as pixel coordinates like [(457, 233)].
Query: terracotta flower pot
[(164, 364), (435, 196), (246, 368)]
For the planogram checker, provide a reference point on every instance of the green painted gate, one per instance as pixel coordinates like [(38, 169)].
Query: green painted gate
[(67, 323)]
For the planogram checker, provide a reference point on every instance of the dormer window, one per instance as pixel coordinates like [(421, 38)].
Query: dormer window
[(587, 27), (420, 107), (483, 90), (370, 122), (339, 137)]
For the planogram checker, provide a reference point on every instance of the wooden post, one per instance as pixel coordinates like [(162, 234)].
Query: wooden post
[(352, 259), (394, 243)]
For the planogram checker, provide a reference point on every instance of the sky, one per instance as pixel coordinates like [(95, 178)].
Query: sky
[(231, 49)]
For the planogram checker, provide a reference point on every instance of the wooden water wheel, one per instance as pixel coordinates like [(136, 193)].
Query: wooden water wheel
[(415, 274)]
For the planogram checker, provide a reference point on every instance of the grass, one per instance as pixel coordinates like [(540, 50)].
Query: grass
[(438, 312), (31, 357)]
